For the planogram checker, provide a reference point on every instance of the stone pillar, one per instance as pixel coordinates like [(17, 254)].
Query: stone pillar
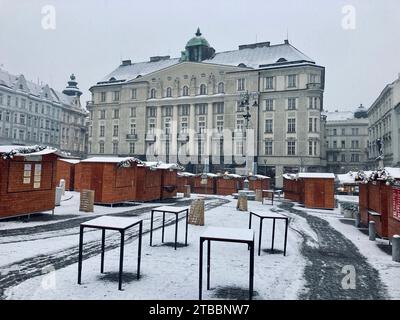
[(279, 177), (59, 191), (396, 248), (174, 135), (196, 213), (62, 186), (259, 195), (192, 132), (372, 231), (357, 221), (186, 194), (242, 202)]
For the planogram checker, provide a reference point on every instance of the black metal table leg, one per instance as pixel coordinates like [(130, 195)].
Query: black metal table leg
[(273, 234), (163, 226), (176, 230), (286, 232), (103, 240), (187, 223), (200, 268), (121, 260), (151, 228), (80, 254), (250, 220), (139, 249), (251, 280), (208, 263), (260, 236)]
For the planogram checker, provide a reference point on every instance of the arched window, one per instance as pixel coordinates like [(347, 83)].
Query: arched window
[(21, 87), (221, 87), (203, 89), (185, 91), (153, 93), (169, 92)]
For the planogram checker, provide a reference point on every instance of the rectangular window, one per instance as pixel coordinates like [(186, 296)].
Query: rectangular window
[(1, 99), (151, 125), (334, 132), (241, 84), (343, 131), (184, 110), (201, 124), (310, 124), (240, 124), (239, 150), (343, 158), (116, 114), (184, 125), (201, 108), (268, 126), (291, 148), (115, 147), (220, 124), (291, 125), (103, 96), (269, 83), (268, 148), (133, 93), (167, 125), (133, 112), (218, 108), (354, 131), (343, 145), (315, 124), (269, 105), (167, 111), (292, 81), (133, 127), (101, 147), (292, 104), (151, 112), (102, 131), (315, 148), (102, 114), (310, 148), (115, 131), (132, 148), (8, 101), (116, 95)]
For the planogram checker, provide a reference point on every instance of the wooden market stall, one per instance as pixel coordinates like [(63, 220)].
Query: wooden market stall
[(27, 180), (66, 171), (317, 190), (185, 179), (346, 184), (259, 182), (113, 179), (228, 183), (148, 182), (379, 200), (205, 183), (291, 187), (169, 179)]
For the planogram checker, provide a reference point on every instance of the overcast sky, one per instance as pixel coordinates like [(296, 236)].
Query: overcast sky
[(92, 36)]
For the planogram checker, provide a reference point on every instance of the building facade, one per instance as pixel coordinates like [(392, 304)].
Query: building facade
[(384, 126), (188, 110), (37, 114), (347, 140)]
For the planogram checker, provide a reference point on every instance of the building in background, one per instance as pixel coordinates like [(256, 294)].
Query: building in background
[(188, 107), (37, 114), (384, 127), (347, 140)]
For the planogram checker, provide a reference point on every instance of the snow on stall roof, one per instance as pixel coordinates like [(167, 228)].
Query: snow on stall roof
[(19, 150), (260, 176), (254, 57), (110, 159), (161, 165), (347, 178), (72, 161), (289, 176), (229, 233), (233, 175), (393, 172), (316, 175), (186, 174)]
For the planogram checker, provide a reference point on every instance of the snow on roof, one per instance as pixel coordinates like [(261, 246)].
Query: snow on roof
[(11, 151), (251, 57), (186, 174), (255, 57), (339, 116), (347, 178), (233, 175), (260, 177), (316, 175), (161, 165), (289, 176), (72, 161), (209, 175), (393, 172), (110, 159)]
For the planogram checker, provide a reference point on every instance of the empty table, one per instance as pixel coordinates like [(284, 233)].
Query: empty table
[(268, 215), (226, 235), (268, 192), (104, 223), (173, 210)]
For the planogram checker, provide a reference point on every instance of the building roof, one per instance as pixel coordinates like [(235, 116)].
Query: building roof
[(253, 57), (339, 116)]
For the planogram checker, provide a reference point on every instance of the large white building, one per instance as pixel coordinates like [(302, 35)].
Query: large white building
[(384, 127), (187, 109), (37, 114)]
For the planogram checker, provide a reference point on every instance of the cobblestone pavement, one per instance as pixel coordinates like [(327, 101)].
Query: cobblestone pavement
[(327, 257), (17, 272)]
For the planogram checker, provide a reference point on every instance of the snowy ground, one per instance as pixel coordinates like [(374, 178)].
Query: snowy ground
[(38, 258)]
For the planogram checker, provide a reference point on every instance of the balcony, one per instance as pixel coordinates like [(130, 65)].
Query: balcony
[(89, 103), (200, 136), (314, 86), (239, 134), (217, 136), (150, 137), (132, 136), (166, 137), (183, 137)]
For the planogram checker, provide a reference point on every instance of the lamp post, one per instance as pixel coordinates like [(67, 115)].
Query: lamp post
[(245, 103)]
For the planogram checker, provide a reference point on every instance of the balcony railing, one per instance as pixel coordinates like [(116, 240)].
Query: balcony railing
[(131, 136), (166, 137), (150, 137), (183, 137), (314, 86)]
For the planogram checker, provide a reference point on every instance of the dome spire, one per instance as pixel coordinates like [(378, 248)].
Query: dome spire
[(198, 33)]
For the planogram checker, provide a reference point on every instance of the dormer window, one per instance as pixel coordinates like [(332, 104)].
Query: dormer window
[(153, 93), (21, 87), (185, 91), (203, 89), (281, 60), (169, 92), (112, 79), (242, 65)]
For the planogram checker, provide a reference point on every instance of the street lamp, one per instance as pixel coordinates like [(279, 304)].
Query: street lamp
[(245, 103)]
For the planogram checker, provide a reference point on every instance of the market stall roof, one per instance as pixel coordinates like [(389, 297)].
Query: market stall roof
[(162, 165), (71, 161), (347, 178), (260, 177), (316, 175), (11, 151), (186, 174), (111, 159)]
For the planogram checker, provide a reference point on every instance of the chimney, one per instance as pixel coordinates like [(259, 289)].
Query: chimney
[(159, 58), (126, 62), (287, 41)]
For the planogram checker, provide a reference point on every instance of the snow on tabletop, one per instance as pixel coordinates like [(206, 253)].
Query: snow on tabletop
[(171, 208), (271, 214), (229, 233), (316, 175), (111, 222)]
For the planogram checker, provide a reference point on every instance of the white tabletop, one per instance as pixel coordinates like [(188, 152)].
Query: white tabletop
[(228, 234), (120, 223), (268, 191), (267, 214), (171, 209)]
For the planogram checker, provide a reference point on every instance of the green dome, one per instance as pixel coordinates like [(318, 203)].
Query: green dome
[(198, 40)]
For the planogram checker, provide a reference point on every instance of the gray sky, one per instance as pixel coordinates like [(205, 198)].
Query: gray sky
[(92, 36)]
